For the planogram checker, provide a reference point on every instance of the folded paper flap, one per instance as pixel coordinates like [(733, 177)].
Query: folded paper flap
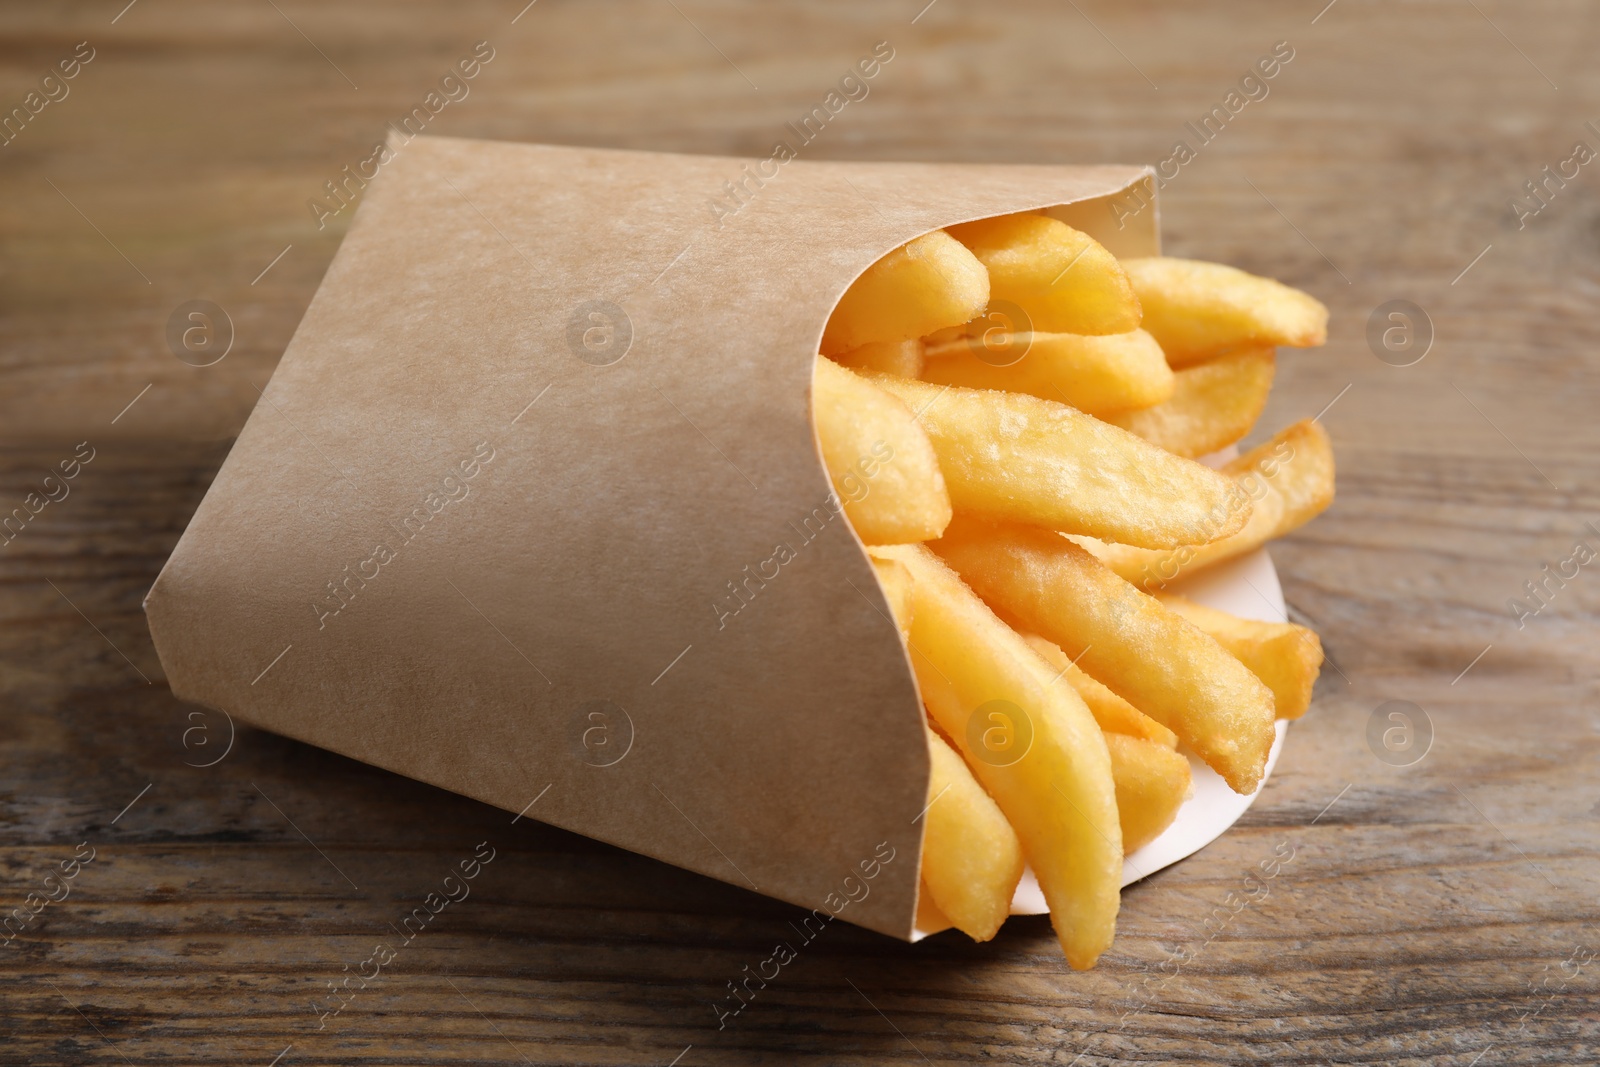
[(532, 508)]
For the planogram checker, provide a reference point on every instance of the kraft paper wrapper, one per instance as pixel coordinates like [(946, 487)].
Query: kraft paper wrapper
[(777, 752)]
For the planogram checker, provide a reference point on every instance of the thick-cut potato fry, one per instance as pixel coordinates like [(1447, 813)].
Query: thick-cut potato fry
[(904, 358), (1064, 280), (1115, 715), (1151, 784), (930, 920), (1049, 771), (1297, 464), (925, 285), (882, 465), (1013, 456), (1142, 651), (1199, 310), (1213, 405), (1289, 479), (896, 582), (1152, 569), (971, 858), (1097, 375), (1285, 656)]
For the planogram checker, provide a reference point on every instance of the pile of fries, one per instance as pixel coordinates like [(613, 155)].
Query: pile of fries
[(1043, 405)]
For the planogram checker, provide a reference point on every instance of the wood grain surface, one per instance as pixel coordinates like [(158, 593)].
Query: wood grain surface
[(1441, 912)]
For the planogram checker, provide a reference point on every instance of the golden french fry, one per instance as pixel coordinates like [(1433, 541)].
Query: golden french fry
[(1097, 375), (1289, 480), (1013, 456), (1297, 464), (971, 858), (1213, 405), (1033, 746), (1152, 569), (925, 285), (1115, 715), (1142, 651), (1062, 279), (1199, 310), (904, 358), (1152, 783), (1285, 656), (930, 920), (896, 582), (881, 462)]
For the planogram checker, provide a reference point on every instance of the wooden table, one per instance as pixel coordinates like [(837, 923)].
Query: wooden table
[(1440, 912)]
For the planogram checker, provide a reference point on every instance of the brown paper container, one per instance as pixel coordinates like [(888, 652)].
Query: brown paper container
[(530, 541)]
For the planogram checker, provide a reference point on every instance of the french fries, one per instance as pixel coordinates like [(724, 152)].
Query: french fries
[(1151, 782), (1063, 280), (1286, 657), (923, 286), (1200, 310), (986, 689), (1066, 470), (1297, 464), (1115, 715), (1213, 405), (1019, 456), (896, 582), (1289, 480), (904, 358), (972, 860), (1097, 375), (1151, 778), (880, 461), (930, 920), (1141, 650)]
